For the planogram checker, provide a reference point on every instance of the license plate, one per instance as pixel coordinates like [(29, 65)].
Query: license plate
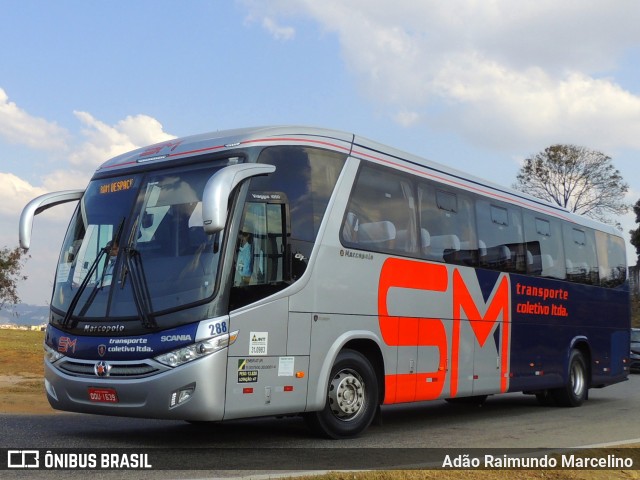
[(103, 395)]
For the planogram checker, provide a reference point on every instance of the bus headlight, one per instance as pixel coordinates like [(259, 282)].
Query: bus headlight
[(201, 349), (50, 354)]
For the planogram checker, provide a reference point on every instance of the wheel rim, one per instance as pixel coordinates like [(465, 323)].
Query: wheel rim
[(577, 379), (347, 395)]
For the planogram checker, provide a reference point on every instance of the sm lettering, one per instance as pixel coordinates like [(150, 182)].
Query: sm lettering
[(460, 347)]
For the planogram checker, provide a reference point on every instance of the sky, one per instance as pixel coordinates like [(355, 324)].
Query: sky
[(479, 85)]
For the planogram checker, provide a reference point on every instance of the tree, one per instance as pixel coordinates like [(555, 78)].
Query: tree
[(635, 234), (583, 181), (11, 263)]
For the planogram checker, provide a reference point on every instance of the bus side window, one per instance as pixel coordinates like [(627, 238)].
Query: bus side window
[(447, 223), (381, 214), (307, 177), (580, 251), (543, 236), (611, 260), (501, 231)]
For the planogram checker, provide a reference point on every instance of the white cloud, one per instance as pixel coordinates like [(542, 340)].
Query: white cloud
[(258, 12), (101, 142), (406, 118), (98, 142), (106, 141), (502, 73), (277, 31), (66, 179), (18, 127), (16, 193)]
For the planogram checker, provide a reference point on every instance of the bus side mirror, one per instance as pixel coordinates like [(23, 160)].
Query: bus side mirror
[(39, 205), (215, 198)]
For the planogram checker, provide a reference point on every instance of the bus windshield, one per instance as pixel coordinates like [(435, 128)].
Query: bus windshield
[(136, 247)]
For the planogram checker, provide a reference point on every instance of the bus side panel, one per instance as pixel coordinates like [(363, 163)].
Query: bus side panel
[(262, 367), (330, 333), (260, 386), (550, 317), (299, 333), (260, 329), (444, 330)]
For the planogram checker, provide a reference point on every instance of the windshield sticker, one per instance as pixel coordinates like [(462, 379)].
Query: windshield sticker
[(117, 186), (258, 342), (62, 275)]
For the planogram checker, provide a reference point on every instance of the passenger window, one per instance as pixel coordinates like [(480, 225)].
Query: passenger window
[(281, 220), (499, 216), (447, 201), (580, 251), (543, 227), (307, 176), (545, 251), (381, 214), (447, 225), (501, 237), (611, 260)]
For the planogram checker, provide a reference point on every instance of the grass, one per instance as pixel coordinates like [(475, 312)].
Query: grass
[(478, 474), (21, 353), (21, 372)]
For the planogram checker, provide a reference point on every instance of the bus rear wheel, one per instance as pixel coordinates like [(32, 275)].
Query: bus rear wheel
[(352, 397), (575, 392)]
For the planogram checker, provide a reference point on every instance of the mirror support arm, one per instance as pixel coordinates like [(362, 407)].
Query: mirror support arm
[(39, 205), (215, 198)]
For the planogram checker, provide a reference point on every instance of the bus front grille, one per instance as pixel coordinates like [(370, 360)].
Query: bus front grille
[(116, 370)]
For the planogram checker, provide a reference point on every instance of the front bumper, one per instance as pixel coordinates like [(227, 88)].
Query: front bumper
[(149, 396)]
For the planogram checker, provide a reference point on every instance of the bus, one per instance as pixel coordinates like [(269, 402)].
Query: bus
[(302, 271)]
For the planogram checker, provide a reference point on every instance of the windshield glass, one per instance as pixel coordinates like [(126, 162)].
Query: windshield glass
[(136, 247), (635, 335)]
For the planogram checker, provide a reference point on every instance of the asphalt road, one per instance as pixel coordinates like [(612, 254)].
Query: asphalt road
[(506, 421)]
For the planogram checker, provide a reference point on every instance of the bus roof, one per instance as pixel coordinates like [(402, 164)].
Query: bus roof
[(229, 139), (348, 143)]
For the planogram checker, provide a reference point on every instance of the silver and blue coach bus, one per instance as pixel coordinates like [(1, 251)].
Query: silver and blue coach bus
[(288, 270)]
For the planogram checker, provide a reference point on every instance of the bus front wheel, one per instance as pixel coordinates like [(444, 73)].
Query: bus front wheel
[(575, 392), (352, 396)]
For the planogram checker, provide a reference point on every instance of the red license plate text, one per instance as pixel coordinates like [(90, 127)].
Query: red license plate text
[(103, 395)]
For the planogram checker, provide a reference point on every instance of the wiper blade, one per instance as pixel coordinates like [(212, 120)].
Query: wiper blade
[(141, 296), (76, 297), (139, 286), (81, 288)]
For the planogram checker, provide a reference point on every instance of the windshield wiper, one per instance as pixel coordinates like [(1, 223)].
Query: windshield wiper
[(76, 297), (141, 296), (139, 286)]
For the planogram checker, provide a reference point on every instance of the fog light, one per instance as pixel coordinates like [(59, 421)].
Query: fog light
[(50, 390), (181, 396)]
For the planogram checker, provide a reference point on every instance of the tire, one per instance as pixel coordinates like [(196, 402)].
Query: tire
[(352, 398), (575, 392)]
